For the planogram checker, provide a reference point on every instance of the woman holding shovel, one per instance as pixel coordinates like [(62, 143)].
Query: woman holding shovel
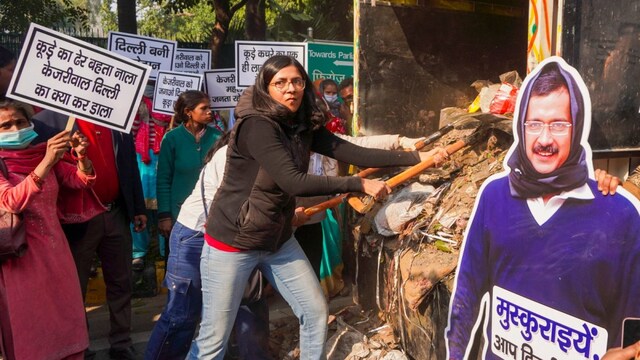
[(249, 224)]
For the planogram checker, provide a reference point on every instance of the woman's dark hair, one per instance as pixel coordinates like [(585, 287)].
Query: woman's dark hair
[(23, 108), (222, 141), (326, 82), (6, 56), (263, 102), (188, 100), (324, 108)]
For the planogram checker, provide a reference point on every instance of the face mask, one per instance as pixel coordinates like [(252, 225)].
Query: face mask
[(16, 140), (331, 98)]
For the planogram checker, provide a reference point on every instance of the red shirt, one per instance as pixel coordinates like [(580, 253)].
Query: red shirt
[(102, 155), (219, 244)]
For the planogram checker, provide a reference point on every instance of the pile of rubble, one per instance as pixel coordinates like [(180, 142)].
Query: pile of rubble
[(407, 248)]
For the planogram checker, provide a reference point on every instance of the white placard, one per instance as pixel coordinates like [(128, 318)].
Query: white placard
[(250, 55), (169, 85), (157, 53), (221, 87), (524, 329), (192, 61), (69, 76)]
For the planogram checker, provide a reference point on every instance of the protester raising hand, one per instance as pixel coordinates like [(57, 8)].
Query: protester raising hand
[(57, 146), (49, 286)]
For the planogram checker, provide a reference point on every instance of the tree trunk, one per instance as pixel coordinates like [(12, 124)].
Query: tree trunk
[(127, 16), (224, 13), (255, 23)]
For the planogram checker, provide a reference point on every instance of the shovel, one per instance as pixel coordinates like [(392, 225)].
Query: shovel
[(418, 145), (356, 203), (366, 203)]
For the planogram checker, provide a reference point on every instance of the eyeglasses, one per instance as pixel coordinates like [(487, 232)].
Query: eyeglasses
[(283, 85), (558, 128)]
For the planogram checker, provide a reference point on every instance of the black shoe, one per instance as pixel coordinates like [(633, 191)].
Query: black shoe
[(123, 354), (137, 264)]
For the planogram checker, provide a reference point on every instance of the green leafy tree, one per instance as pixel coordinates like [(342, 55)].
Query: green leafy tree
[(16, 15), (191, 24), (108, 19), (222, 21)]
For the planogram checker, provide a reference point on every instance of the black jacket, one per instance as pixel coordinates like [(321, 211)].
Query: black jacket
[(48, 123), (266, 169)]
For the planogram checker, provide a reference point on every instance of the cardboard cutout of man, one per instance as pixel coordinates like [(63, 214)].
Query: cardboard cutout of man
[(550, 262)]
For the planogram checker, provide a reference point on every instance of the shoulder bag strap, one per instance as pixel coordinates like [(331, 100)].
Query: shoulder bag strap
[(204, 203)]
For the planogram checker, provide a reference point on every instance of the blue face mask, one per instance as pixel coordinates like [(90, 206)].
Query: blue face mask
[(331, 98), (15, 140)]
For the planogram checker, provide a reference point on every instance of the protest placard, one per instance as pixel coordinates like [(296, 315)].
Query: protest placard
[(220, 84), (193, 61), (169, 85), (69, 76), (250, 55), (157, 53)]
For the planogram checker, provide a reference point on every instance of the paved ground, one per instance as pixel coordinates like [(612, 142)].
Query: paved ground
[(145, 312)]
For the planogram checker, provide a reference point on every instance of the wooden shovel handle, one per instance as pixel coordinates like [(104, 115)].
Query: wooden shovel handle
[(364, 206), (418, 145), (333, 202), (422, 166)]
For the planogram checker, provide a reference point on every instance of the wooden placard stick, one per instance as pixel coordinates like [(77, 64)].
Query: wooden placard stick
[(70, 122)]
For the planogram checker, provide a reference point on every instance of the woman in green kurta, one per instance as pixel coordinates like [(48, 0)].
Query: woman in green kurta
[(182, 155)]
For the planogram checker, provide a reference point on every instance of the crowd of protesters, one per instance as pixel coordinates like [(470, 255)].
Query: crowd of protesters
[(229, 202), (104, 203)]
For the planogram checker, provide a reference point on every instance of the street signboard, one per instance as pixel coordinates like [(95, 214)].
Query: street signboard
[(329, 60)]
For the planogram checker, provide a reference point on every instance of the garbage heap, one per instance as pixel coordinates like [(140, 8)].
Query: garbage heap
[(407, 248), (402, 253)]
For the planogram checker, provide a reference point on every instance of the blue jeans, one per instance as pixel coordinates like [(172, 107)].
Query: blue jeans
[(288, 270), (173, 333)]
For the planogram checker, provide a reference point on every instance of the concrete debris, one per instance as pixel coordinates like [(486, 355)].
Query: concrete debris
[(406, 253), (353, 334), (405, 264), (421, 270), (402, 207)]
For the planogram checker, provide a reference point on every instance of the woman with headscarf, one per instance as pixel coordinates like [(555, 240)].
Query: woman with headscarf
[(41, 307)]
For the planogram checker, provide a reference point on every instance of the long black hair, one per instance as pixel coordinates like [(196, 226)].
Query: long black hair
[(264, 103)]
